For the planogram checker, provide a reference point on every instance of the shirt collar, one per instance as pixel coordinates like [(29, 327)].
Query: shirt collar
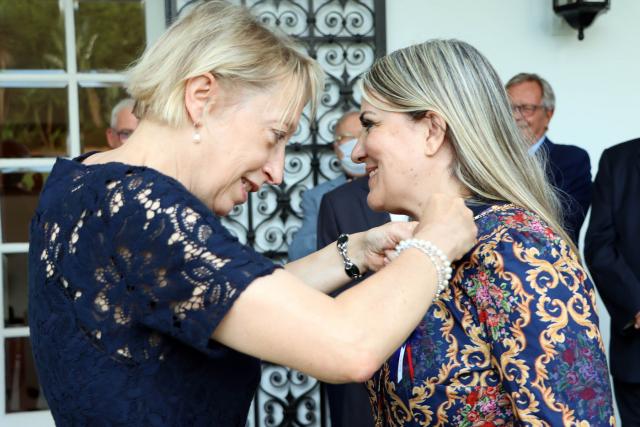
[(532, 150)]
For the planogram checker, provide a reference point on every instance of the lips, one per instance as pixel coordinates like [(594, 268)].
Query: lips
[(249, 186), (371, 170)]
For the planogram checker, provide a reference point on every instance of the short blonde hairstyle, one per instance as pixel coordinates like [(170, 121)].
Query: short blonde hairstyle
[(228, 42), (455, 80)]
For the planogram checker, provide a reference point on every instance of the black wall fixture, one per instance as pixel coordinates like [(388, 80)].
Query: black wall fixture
[(579, 14)]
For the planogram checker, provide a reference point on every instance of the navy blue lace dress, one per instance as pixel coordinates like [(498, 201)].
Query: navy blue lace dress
[(129, 275)]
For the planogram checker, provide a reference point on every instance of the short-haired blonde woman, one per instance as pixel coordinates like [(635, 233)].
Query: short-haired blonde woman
[(144, 311), (514, 339)]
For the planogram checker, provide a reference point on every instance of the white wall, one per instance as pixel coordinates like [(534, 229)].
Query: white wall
[(596, 81)]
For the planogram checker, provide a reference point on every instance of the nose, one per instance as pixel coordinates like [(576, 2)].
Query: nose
[(359, 153), (274, 168)]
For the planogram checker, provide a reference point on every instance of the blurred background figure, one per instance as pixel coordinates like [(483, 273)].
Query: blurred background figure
[(122, 124), (610, 250), (568, 168), (346, 136)]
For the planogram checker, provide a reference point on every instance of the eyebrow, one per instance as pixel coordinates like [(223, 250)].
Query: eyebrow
[(288, 125)]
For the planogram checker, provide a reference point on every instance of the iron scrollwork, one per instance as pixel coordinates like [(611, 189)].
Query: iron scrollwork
[(345, 37)]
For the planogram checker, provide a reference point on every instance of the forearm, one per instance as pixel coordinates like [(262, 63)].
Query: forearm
[(381, 312), (336, 340), (346, 339), (323, 270)]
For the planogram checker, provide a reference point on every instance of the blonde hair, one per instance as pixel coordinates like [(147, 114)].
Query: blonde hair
[(456, 81), (228, 42)]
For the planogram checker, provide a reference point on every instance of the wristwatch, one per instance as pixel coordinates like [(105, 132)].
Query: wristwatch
[(350, 268)]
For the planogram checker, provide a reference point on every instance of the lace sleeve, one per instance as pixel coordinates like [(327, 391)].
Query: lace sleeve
[(183, 269)]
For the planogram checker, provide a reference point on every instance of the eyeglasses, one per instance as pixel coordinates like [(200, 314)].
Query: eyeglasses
[(526, 109), (123, 134)]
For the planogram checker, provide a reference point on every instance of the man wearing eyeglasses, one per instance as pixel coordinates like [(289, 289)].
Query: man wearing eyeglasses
[(533, 104), (346, 135), (123, 123)]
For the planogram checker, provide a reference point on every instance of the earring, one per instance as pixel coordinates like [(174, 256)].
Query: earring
[(196, 133)]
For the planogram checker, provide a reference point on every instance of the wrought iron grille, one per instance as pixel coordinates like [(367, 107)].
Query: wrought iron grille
[(345, 37)]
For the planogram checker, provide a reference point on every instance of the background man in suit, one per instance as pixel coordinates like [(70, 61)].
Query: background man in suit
[(345, 210), (611, 253), (569, 168), (346, 136)]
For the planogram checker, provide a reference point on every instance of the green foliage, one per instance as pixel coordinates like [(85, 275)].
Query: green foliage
[(29, 30), (110, 34), (36, 118)]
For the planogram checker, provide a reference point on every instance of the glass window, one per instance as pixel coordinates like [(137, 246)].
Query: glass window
[(23, 388), (32, 34), (110, 34), (96, 103), (33, 121), (58, 85), (15, 282), (18, 200)]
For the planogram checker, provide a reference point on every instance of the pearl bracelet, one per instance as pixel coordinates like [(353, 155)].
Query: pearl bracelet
[(437, 257)]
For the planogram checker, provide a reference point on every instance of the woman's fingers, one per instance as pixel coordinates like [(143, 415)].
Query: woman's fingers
[(449, 224)]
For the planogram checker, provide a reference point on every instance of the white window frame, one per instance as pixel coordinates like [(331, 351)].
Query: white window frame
[(72, 80)]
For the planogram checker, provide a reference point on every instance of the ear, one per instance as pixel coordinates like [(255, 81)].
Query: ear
[(549, 113), (199, 92), (436, 130)]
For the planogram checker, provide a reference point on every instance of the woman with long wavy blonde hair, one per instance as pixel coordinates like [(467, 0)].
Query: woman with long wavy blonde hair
[(514, 339)]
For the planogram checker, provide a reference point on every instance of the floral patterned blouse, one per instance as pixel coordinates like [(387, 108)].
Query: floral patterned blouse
[(513, 341)]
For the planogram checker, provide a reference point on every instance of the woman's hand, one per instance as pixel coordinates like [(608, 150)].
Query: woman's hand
[(447, 223), (376, 245)]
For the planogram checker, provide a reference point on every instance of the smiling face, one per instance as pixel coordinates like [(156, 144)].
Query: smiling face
[(407, 159), (242, 146)]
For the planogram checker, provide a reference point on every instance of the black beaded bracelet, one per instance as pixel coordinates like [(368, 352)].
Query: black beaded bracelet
[(350, 268)]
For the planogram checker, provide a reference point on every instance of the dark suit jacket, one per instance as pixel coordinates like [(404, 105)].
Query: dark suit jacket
[(345, 210), (569, 171), (612, 253)]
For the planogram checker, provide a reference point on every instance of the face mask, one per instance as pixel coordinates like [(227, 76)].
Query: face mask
[(348, 165)]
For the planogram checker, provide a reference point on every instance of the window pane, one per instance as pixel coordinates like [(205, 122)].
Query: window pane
[(110, 34), (96, 104), (19, 193), (34, 121), (32, 34), (15, 289), (23, 388)]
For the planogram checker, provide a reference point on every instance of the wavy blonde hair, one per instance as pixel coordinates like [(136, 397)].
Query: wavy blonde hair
[(455, 80), (228, 42)]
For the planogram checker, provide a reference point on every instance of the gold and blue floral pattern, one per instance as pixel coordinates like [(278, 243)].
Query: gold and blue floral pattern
[(514, 340)]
